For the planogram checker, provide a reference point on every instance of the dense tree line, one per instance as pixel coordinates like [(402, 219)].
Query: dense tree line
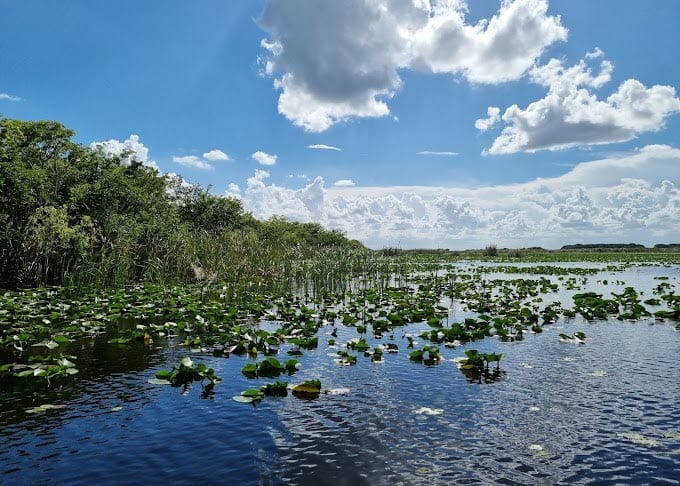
[(67, 210), (605, 246)]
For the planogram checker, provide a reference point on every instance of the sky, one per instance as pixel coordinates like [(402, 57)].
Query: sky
[(402, 123)]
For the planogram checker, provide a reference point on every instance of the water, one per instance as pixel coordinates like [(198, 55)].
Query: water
[(561, 414)]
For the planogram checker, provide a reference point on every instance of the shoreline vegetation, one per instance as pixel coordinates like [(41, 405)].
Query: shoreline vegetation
[(74, 216)]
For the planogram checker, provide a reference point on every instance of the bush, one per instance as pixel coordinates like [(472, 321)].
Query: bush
[(490, 250)]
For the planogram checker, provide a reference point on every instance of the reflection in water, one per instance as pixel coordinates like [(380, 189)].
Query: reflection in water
[(603, 411)]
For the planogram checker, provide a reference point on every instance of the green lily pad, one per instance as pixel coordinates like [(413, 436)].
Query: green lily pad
[(158, 381), (242, 399)]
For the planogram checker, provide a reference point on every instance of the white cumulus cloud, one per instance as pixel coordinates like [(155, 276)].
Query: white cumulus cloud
[(493, 50), (215, 155), (264, 158), (193, 162), (333, 61), (9, 97), (627, 198), (493, 117), (571, 114), (344, 183), (129, 150)]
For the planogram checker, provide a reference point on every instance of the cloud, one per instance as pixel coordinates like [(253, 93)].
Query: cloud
[(215, 155), (202, 163), (321, 146), (442, 154), (492, 51), (483, 124), (264, 158), (333, 61), (632, 197), (344, 183), (193, 162), (129, 150), (595, 54), (9, 97), (266, 201), (233, 191), (572, 115)]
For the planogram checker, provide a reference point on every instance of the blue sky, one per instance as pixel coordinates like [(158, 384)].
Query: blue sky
[(579, 144)]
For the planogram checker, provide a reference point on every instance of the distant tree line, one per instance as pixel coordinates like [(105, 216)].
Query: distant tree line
[(68, 210), (604, 246)]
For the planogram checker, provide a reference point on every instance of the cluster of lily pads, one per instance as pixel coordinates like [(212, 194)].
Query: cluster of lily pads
[(187, 372), (457, 304), (309, 389)]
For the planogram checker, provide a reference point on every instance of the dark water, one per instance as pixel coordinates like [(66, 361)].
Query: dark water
[(561, 414)]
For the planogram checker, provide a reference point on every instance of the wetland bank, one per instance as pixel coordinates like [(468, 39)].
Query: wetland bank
[(153, 332)]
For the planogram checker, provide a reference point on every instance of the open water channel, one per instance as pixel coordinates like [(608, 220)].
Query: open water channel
[(603, 412)]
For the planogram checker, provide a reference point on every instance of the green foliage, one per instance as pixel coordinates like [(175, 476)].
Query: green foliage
[(270, 367), (490, 250), (308, 389), (277, 389), (429, 355), (187, 372), (70, 214), (41, 367)]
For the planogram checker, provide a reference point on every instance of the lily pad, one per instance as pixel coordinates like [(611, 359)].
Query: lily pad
[(639, 439), (159, 381), (428, 411), (44, 408)]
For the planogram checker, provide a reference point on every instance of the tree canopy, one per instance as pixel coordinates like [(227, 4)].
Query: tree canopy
[(65, 207)]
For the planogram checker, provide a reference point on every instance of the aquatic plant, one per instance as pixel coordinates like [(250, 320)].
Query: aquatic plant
[(270, 367), (428, 355), (46, 367), (187, 372), (277, 389), (309, 389), (252, 395), (577, 338), (346, 359), (475, 366)]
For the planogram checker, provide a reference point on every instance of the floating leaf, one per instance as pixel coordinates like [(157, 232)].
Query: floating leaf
[(158, 381), (428, 411), (242, 399), (164, 375), (51, 344), (639, 439), (538, 450), (44, 408), (310, 388), (66, 363)]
